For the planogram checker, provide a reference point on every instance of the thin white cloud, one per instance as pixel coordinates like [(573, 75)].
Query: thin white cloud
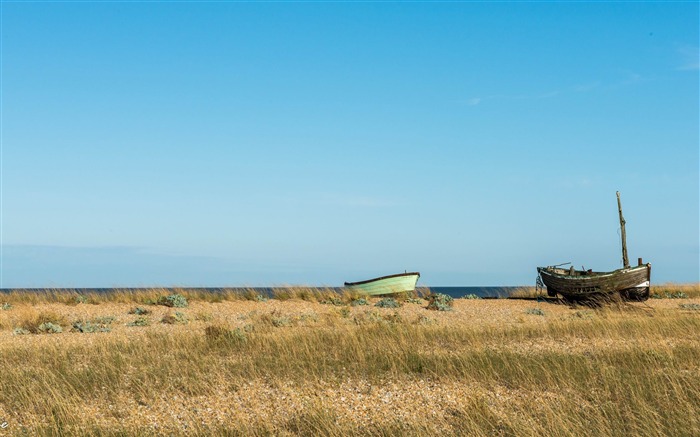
[(361, 201), (474, 101), (630, 78), (690, 58), (478, 100), (585, 87), (340, 200)]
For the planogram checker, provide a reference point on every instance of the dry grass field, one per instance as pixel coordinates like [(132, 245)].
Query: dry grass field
[(313, 363)]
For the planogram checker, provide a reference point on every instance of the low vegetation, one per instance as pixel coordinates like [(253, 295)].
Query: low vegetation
[(440, 302), (292, 366)]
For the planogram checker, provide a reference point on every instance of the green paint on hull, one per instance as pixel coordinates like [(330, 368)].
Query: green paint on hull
[(401, 283)]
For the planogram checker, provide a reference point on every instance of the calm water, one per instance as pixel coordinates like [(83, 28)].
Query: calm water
[(456, 292)]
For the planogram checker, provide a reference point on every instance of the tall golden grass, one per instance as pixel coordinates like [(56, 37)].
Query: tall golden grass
[(609, 371), (311, 294), (666, 290), (151, 295)]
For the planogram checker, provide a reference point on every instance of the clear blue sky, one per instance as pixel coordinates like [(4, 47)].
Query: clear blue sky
[(256, 144)]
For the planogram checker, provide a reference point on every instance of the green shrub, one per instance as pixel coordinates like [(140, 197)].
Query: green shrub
[(175, 319), (535, 311), (90, 327), (415, 300), (388, 302), (586, 314), (6, 306), (279, 321), (139, 311), (309, 317), (471, 296), (440, 302), (139, 321), (104, 320), (359, 302), (690, 306), (425, 320), (667, 295), (333, 301), (80, 299), (20, 331), (260, 298), (49, 328), (173, 301)]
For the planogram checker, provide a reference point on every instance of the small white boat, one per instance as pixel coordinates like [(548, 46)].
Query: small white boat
[(398, 283)]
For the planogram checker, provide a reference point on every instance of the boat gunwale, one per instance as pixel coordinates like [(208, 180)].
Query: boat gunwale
[(382, 277)]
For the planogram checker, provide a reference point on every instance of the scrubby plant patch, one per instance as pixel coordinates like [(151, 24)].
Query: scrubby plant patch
[(90, 327), (471, 296), (690, 306), (173, 301), (535, 311), (388, 302), (583, 314), (140, 321), (6, 306), (667, 295), (309, 317), (96, 324), (175, 319), (425, 320), (359, 302), (80, 299), (440, 302), (333, 300), (139, 311), (49, 328), (281, 321)]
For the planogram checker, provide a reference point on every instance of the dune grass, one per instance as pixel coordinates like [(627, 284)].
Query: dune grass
[(153, 295), (668, 290), (603, 371)]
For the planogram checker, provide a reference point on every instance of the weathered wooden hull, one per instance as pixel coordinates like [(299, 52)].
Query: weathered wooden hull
[(632, 282), (399, 283)]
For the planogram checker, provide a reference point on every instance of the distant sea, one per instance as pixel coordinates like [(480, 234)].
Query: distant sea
[(455, 292)]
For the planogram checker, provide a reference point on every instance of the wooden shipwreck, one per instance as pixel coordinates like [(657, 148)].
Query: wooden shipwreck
[(631, 282)]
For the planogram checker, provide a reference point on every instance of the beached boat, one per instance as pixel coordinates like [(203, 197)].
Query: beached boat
[(631, 282), (399, 283)]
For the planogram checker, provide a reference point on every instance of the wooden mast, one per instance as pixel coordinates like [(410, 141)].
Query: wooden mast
[(625, 260)]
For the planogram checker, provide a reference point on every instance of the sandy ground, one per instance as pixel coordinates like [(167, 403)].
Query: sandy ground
[(355, 401)]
